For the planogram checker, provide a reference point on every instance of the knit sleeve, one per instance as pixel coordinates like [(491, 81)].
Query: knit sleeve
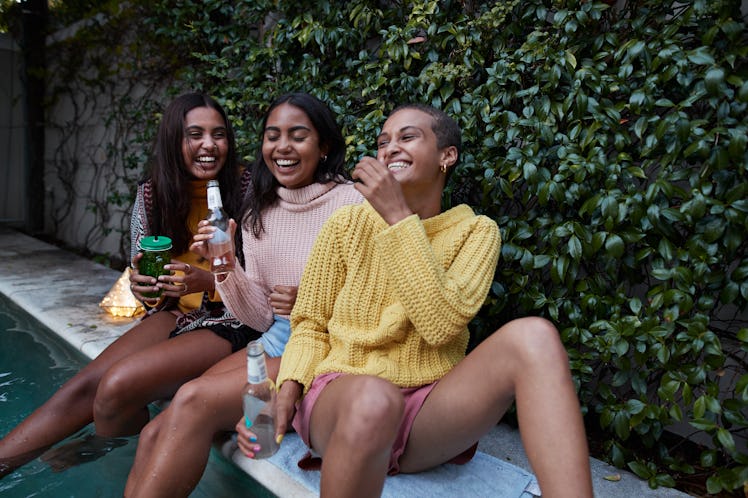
[(138, 222), (243, 294), (440, 302), (321, 282)]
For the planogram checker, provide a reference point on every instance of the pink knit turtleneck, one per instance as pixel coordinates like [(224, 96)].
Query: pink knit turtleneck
[(279, 255)]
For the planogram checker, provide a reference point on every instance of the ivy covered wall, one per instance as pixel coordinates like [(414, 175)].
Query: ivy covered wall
[(608, 143)]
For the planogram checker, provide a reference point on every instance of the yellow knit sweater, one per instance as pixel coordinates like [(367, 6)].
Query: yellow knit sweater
[(198, 211), (392, 301)]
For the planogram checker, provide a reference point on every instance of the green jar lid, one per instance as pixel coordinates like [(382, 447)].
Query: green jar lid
[(155, 243)]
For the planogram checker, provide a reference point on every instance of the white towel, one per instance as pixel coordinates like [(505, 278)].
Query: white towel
[(484, 475)]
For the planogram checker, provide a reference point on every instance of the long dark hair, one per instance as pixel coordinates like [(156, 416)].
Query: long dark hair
[(264, 185), (170, 178)]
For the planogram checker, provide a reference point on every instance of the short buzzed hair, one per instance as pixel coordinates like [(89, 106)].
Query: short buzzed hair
[(444, 127)]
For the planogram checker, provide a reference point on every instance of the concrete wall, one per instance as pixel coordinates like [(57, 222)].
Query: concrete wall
[(84, 166), (13, 166)]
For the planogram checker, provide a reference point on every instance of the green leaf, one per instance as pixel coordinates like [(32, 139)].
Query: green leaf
[(575, 248), (615, 246), (634, 406), (713, 80), (676, 413), (635, 305), (621, 347), (704, 425), (640, 469), (743, 92), (665, 480), (726, 440), (742, 335), (713, 485), (701, 56), (621, 425), (559, 269), (708, 458), (699, 407)]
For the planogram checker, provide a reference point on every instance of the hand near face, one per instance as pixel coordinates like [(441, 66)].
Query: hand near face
[(379, 186)]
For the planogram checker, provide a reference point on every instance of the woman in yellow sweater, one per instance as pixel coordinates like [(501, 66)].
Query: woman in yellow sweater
[(379, 332)]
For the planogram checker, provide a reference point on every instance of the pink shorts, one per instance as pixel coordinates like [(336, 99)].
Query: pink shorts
[(414, 398)]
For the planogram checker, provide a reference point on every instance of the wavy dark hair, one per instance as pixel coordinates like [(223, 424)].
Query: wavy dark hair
[(264, 185), (170, 178)]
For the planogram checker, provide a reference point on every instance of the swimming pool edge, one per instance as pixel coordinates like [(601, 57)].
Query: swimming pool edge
[(62, 291)]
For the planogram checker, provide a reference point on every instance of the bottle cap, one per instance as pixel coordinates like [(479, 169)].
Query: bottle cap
[(255, 348), (155, 243)]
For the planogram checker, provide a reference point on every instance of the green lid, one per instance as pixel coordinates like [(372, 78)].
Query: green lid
[(155, 243)]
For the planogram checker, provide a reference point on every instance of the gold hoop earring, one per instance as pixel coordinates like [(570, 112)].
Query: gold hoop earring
[(443, 168)]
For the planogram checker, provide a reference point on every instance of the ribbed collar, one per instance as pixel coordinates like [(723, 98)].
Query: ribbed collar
[(304, 195), (439, 222)]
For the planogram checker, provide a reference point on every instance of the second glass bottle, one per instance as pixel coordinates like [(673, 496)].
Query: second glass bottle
[(220, 247)]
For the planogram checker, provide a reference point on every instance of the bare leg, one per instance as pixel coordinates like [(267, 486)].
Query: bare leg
[(146, 444), (523, 361), (71, 407), (238, 359), (121, 404), (236, 365), (353, 426), (200, 409)]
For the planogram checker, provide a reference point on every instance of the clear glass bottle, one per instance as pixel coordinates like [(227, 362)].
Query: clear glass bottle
[(221, 246), (258, 398)]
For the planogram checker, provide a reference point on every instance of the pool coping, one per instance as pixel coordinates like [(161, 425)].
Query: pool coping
[(62, 290)]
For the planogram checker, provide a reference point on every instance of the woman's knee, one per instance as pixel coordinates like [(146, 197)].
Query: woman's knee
[(192, 397), (83, 385), (111, 393), (149, 435), (375, 405), (531, 340)]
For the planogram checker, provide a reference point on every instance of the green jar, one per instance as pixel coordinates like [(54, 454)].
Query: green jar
[(156, 251)]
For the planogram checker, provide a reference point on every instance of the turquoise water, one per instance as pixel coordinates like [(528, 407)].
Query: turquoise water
[(34, 362)]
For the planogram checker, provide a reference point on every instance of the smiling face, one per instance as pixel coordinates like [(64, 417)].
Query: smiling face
[(205, 143), (291, 146), (408, 147)]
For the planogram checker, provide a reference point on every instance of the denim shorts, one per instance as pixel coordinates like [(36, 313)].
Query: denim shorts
[(275, 339)]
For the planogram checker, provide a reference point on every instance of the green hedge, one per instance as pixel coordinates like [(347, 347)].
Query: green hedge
[(608, 143)]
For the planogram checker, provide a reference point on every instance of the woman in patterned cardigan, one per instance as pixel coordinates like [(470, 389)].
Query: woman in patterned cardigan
[(194, 144)]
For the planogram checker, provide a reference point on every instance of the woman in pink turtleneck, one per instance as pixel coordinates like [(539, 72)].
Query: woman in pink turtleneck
[(297, 183)]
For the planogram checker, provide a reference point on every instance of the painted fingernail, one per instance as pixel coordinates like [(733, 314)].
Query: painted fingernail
[(247, 423), (279, 438), (252, 439), (257, 447)]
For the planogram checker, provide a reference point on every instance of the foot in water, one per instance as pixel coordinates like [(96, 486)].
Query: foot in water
[(81, 450), (9, 465)]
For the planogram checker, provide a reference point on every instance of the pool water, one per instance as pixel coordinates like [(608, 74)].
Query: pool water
[(34, 362)]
